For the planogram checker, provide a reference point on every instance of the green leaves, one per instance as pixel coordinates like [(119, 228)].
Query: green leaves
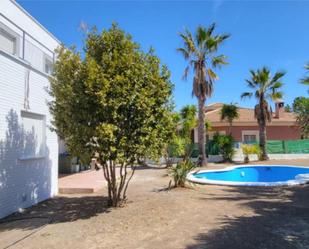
[(301, 108), (229, 112), (265, 85), (225, 143), (188, 120), (117, 96), (305, 80), (199, 50), (219, 60), (246, 95), (180, 172), (276, 95)]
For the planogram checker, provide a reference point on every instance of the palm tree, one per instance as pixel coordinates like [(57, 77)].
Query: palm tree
[(265, 88), (229, 113), (208, 128), (188, 116), (200, 52)]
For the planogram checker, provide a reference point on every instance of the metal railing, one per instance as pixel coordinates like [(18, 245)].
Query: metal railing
[(25, 34)]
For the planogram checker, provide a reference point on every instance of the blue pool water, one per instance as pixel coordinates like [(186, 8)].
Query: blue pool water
[(254, 174)]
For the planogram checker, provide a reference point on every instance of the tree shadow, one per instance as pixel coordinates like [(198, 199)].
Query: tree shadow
[(56, 210), (25, 178), (19, 226), (150, 166), (25, 182), (280, 220)]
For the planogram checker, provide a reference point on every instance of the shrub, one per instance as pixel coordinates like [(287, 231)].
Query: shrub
[(180, 171), (225, 144), (248, 149), (175, 149)]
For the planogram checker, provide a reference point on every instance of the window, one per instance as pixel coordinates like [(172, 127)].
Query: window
[(250, 136), (8, 41), (33, 135), (48, 64)]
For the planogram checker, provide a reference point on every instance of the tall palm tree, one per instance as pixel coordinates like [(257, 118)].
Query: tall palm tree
[(229, 113), (200, 52), (265, 87)]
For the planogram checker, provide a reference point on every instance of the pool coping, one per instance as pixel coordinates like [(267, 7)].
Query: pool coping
[(299, 179)]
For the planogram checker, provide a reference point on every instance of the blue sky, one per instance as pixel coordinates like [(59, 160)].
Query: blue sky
[(271, 33)]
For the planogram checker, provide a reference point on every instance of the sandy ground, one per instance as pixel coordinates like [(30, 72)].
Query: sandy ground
[(204, 216)]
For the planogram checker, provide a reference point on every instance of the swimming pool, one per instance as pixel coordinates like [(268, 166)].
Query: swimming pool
[(253, 175)]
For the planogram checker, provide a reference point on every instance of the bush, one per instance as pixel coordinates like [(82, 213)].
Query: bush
[(212, 148), (180, 172), (175, 149), (225, 144), (248, 149)]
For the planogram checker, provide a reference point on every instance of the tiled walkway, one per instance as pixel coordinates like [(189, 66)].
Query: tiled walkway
[(88, 181)]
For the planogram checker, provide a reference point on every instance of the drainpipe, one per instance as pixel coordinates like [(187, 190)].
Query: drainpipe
[(26, 89)]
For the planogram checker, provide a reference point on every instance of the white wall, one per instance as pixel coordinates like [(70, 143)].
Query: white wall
[(24, 182), (13, 11)]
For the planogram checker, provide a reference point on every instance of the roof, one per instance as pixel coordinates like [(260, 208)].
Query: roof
[(246, 117)]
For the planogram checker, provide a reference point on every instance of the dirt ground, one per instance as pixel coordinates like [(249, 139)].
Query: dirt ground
[(204, 216)]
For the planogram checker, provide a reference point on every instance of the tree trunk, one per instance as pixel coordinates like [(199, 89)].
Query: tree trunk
[(230, 128), (117, 188), (201, 132), (264, 155), (262, 126)]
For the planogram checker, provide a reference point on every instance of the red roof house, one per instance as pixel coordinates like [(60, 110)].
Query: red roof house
[(245, 129)]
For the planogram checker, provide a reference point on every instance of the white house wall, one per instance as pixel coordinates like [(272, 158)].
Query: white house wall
[(24, 181), (22, 19)]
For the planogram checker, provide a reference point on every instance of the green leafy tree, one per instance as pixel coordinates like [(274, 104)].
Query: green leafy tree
[(265, 87), (208, 126), (115, 101), (225, 145), (301, 108), (300, 104), (177, 144), (181, 146), (200, 52), (229, 113), (288, 108), (180, 143), (188, 121)]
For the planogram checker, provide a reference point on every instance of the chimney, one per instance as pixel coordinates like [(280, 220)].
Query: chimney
[(279, 108)]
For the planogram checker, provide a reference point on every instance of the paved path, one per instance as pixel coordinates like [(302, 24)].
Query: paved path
[(88, 181)]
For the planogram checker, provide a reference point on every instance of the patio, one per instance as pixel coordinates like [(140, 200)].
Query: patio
[(84, 182)]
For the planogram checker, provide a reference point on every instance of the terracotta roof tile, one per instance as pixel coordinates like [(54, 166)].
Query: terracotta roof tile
[(245, 115)]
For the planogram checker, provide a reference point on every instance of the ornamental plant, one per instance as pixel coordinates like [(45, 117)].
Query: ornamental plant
[(225, 145), (250, 149), (113, 101)]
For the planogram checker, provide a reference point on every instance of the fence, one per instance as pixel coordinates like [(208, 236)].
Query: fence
[(211, 149), (273, 147), (288, 146)]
